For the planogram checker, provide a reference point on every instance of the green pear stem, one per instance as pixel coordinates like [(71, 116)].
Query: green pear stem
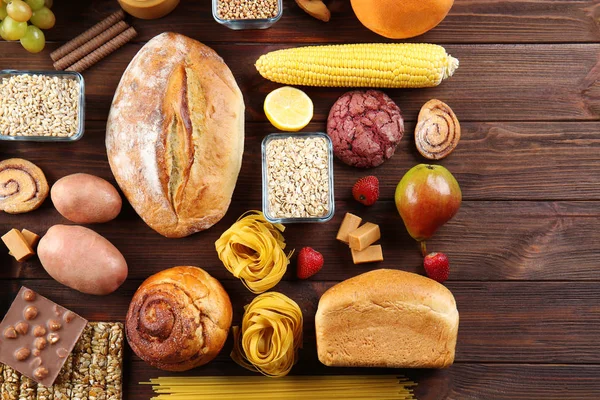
[(423, 248)]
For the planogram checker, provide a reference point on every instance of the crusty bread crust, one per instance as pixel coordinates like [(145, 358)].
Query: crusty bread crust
[(387, 318), (175, 135)]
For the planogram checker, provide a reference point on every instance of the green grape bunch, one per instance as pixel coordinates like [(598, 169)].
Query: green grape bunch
[(24, 20)]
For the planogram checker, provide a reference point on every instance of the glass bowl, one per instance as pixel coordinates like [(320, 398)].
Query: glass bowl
[(236, 24), (81, 113), (265, 179)]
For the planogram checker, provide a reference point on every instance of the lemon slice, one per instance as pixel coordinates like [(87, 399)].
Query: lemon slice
[(288, 108)]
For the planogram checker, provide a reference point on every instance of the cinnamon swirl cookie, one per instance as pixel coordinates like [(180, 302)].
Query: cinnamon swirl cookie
[(438, 130), (23, 186), (179, 319)]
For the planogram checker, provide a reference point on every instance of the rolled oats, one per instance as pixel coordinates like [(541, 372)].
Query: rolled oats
[(39, 105), (298, 177)]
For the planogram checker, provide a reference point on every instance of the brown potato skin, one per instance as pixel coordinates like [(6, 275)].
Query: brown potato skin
[(81, 259), (86, 199)]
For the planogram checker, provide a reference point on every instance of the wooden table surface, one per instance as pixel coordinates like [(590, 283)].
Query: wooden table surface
[(524, 247)]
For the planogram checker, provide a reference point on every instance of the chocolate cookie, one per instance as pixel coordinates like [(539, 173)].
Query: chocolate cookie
[(365, 127)]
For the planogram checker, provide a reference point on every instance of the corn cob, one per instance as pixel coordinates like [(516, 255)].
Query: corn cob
[(385, 65)]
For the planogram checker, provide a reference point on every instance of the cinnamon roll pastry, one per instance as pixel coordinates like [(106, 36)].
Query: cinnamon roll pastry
[(438, 130), (23, 186), (178, 319)]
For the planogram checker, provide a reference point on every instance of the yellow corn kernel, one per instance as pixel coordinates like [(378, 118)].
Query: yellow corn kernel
[(385, 65)]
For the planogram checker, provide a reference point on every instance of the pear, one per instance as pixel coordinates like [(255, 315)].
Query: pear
[(427, 197)]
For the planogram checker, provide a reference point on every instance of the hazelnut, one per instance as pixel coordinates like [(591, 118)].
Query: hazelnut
[(22, 328), (36, 352), (40, 372), (54, 325), (39, 331), (57, 310), (36, 362), (40, 343), (22, 354), (62, 352), (30, 313), (29, 295), (53, 338), (69, 316), (10, 332)]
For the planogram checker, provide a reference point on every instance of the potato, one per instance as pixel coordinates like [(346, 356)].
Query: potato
[(82, 259), (86, 199)]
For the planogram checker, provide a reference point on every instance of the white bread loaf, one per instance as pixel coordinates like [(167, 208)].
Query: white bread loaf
[(387, 318), (175, 135)]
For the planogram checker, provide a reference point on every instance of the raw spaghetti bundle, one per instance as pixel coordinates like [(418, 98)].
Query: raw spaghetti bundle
[(252, 250), (270, 336), (368, 387)]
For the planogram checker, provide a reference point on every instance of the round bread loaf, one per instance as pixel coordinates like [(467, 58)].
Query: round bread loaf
[(387, 318), (178, 319), (365, 127), (401, 19), (175, 135)]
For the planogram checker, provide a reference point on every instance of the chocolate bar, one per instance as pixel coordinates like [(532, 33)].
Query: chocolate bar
[(37, 336)]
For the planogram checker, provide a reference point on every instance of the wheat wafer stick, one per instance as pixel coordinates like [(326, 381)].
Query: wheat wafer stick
[(87, 35), (90, 46), (103, 51)]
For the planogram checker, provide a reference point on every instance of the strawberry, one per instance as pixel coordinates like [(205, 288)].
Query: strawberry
[(437, 266), (310, 262), (366, 190)]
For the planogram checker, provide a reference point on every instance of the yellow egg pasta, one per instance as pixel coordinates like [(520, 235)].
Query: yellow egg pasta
[(356, 387), (252, 249), (270, 335)]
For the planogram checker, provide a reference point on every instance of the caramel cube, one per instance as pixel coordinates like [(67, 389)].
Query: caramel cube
[(364, 236), (30, 237), (350, 223), (368, 255), (18, 246)]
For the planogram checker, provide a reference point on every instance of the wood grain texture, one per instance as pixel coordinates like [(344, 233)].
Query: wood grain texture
[(472, 381), (493, 82), (485, 241), (494, 324), (514, 161), (469, 21), (524, 247)]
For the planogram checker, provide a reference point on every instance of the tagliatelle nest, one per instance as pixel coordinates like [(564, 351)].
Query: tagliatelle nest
[(270, 336), (252, 249)]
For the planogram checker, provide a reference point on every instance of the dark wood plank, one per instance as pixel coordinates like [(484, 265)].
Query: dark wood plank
[(459, 382), (485, 241), (494, 161), (469, 21), (494, 82), (512, 322)]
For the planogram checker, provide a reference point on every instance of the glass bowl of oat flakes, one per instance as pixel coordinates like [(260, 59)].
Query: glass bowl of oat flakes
[(297, 177), (247, 14)]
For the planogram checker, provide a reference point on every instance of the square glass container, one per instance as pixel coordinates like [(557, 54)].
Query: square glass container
[(238, 24), (265, 183), (76, 76)]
